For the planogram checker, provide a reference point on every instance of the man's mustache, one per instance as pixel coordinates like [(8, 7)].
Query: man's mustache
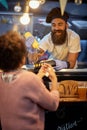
[(59, 31)]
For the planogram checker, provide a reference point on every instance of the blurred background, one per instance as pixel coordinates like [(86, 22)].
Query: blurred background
[(10, 18)]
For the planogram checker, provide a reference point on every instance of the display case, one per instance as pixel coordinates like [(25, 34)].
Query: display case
[(72, 112)]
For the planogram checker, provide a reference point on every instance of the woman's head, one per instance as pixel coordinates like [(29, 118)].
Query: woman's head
[(12, 51)]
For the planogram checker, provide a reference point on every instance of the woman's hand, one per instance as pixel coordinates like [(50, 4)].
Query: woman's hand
[(47, 70), (43, 70)]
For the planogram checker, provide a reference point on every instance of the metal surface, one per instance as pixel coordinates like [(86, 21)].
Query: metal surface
[(72, 74), (65, 74)]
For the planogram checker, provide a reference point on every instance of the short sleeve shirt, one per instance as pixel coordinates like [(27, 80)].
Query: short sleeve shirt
[(72, 45)]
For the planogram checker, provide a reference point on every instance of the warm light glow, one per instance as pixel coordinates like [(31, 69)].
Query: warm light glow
[(25, 19), (34, 4), (78, 2), (42, 1), (17, 8)]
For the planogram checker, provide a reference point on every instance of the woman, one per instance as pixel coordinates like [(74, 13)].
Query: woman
[(23, 96)]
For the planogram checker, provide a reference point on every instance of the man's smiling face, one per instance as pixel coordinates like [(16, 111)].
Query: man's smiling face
[(58, 31)]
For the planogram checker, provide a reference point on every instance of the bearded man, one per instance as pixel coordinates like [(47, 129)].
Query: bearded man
[(62, 43)]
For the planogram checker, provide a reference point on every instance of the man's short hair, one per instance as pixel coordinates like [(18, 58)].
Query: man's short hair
[(56, 13)]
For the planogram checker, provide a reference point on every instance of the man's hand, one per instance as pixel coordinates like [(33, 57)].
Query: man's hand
[(61, 64)]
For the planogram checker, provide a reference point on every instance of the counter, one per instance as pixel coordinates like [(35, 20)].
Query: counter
[(72, 74), (69, 116), (72, 111)]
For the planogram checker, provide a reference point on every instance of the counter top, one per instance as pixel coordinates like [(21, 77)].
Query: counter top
[(73, 100)]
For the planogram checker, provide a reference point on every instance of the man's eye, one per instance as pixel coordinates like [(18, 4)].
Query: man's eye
[(60, 24)]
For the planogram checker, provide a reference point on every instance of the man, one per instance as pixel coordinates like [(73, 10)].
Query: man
[(62, 43)]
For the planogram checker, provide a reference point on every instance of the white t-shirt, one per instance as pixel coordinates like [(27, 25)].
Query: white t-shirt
[(60, 52)]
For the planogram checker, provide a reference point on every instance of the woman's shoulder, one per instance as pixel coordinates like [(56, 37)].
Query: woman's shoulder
[(28, 72)]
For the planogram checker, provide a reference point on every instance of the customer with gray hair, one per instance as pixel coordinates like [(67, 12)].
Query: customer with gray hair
[(23, 95)]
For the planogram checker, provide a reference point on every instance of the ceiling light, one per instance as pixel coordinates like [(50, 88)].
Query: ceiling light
[(25, 19), (78, 2), (34, 4), (17, 7)]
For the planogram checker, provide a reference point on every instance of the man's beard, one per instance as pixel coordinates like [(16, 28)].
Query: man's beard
[(59, 39)]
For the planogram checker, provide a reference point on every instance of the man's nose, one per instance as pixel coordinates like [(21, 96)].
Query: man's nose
[(57, 27)]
